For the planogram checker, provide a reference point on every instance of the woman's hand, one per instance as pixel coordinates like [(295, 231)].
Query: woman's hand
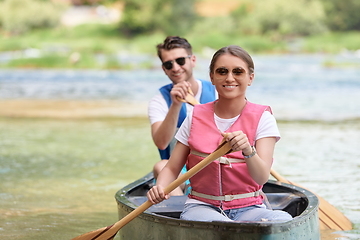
[(260, 164), (156, 195), (238, 142)]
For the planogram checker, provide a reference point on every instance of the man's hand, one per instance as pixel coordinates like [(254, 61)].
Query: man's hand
[(180, 90)]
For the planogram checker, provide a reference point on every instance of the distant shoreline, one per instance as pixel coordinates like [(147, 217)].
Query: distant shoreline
[(70, 109)]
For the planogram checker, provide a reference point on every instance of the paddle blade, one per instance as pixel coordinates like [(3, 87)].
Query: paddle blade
[(109, 232), (97, 234), (189, 98), (332, 218), (329, 216)]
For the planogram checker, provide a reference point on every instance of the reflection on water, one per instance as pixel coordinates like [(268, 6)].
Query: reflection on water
[(59, 177), (323, 157)]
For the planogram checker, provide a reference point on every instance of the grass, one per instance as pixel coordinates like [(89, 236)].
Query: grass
[(99, 46), (332, 42)]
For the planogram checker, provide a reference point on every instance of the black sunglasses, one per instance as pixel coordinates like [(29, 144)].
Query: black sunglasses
[(223, 72), (169, 64)]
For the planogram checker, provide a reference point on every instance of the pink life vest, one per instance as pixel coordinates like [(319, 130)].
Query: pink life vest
[(218, 179)]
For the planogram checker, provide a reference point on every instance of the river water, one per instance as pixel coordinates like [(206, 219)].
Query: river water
[(317, 108)]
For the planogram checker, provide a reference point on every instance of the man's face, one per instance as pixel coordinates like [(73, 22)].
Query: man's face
[(178, 73)]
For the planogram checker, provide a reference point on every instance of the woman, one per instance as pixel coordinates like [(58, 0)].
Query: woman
[(229, 189)]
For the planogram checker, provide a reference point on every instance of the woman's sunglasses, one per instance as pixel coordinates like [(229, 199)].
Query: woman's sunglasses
[(222, 72), (168, 65)]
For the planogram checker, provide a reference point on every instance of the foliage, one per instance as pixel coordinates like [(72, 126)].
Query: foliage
[(92, 38), (332, 42), (19, 16), (181, 18), (280, 17), (172, 17), (342, 15), (60, 61), (215, 39), (223, 25), (262, 26), (92, 2), (43, 62), (97, 45)]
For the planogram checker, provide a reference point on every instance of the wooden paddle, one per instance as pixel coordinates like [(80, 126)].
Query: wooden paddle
[(189, 98), (108, 233), (329, 216)]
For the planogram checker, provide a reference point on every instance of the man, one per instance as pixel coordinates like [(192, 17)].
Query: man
[(166, 112)]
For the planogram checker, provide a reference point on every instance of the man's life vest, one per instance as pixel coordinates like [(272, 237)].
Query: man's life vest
[(207, 95)]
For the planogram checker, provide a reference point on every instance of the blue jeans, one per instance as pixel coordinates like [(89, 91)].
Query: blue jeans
[(209, 213)]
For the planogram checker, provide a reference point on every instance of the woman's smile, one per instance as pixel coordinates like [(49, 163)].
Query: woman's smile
[(230, 86)]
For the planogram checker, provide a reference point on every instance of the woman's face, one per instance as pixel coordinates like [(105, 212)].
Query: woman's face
[(231, 76)]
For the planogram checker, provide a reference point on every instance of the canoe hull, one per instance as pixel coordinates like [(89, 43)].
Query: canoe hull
[(166, 225)]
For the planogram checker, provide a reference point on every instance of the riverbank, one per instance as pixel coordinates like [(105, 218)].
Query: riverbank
[(99, 46), (70, 109)]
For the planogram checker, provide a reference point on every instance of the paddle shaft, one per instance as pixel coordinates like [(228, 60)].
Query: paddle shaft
[(110, 231), (329, 216), (191, 172), (279, 177)]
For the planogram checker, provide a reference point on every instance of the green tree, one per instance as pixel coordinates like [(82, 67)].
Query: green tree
[(20, 16), (168, 16), (342, 15), (300, 17), (181, 18)]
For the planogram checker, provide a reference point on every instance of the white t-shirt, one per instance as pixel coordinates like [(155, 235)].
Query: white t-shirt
[(267, 127), (158, 108)]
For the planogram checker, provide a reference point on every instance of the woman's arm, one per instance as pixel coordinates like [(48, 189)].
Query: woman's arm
[(259, 164), (169, 173)]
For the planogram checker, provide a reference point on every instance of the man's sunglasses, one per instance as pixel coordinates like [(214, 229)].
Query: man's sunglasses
[(168, 65)]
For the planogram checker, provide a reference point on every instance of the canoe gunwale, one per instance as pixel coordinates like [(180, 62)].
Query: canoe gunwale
[(125, 205)]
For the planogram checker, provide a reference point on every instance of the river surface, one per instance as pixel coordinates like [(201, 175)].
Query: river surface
[(58, 177)]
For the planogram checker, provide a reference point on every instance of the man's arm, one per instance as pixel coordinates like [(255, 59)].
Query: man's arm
[(163, 131)]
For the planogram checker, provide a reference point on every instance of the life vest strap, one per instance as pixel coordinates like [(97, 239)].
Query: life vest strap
[(226, 198)]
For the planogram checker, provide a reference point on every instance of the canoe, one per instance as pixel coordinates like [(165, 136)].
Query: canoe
[(162, 221)]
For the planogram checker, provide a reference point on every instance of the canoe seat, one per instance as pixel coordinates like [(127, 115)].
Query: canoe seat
[(173, 207), (289, 202)]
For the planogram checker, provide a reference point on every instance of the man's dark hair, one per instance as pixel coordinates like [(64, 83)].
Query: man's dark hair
[(172, 42)]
